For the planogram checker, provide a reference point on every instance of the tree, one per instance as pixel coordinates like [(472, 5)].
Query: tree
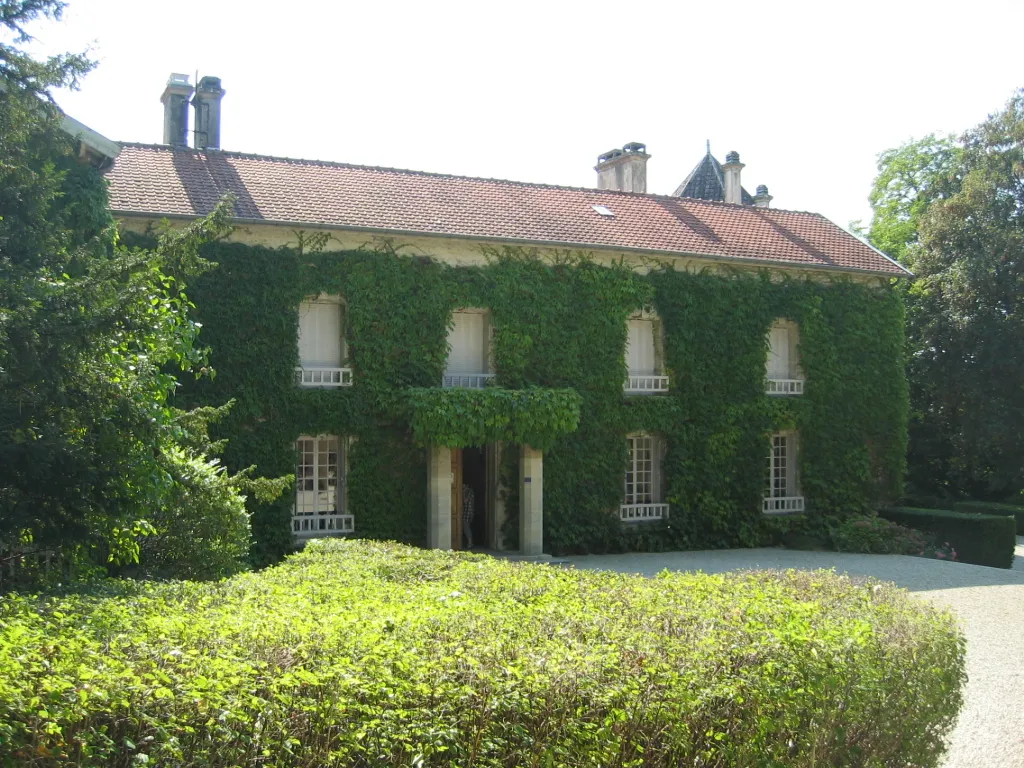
[(91, 335), (953, 212)]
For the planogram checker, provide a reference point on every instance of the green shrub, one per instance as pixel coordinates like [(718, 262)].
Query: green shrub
[(979, 539), (877, 536), (369, 654), (989, 508)]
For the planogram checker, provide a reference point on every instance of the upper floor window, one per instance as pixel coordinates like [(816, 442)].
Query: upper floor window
[(643, 356), (642, 494), (469, 349), (322, 352), (784, 376), (320, 487), (782, 493)]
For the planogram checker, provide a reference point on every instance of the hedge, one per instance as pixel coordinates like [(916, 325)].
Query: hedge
[(375, 654), (977, 538), (991, 508)]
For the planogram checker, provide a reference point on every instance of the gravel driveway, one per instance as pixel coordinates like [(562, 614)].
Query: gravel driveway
[(989, 602)]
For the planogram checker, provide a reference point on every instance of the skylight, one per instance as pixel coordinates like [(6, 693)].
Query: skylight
[(603, 210)]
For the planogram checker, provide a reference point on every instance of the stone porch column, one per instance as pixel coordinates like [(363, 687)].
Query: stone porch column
[(531, 502), (439, 497)]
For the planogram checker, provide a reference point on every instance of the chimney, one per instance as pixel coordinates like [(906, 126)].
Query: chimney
[(762, 199), (175, 101), (624, 170), (732, 168), (207, 105)]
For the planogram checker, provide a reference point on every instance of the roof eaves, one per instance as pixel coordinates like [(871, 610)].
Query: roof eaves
[(768, 263)]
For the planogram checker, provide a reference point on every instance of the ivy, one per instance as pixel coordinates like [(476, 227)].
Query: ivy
[(560, 331), (458, 418)]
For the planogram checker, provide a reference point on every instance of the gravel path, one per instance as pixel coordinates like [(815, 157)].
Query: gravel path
[(988, 601)]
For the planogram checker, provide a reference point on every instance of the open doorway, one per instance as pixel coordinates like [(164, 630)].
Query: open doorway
[(471, 498)]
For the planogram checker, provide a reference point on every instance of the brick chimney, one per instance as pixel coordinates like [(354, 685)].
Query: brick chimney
[(175, 101), (207, 106), (624, 170), (762, 199), (731, 169)]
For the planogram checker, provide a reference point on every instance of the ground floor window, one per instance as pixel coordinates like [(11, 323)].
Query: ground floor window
[(642, 499), (782, 493), (320, 487)]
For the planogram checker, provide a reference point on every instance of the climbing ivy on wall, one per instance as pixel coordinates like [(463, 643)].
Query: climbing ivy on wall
[(560, 331)]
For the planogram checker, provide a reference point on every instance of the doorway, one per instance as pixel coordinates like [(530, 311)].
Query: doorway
[(471, 487)]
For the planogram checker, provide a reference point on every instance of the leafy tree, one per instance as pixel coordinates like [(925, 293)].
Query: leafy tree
[(92, 454), (953, 212)]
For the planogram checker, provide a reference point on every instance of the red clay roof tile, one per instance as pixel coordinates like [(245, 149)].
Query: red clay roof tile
[(159, 180)]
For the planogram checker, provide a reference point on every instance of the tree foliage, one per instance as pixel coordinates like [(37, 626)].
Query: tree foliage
[(91, 335), (953, 211)]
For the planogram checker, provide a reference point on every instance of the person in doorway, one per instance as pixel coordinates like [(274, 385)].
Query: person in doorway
[(468, 510)]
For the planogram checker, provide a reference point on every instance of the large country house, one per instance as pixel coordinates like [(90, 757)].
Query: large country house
[(453, 361)]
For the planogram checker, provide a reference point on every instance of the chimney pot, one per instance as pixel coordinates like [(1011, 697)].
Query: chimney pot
[(175, 100), (624, 170), (731, 170), (762, 199), (207, 106)]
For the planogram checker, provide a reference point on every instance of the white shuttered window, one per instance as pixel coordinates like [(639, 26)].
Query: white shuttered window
[(469, 343), (640, 355), (642, 471), (783, 342), (320, 333)]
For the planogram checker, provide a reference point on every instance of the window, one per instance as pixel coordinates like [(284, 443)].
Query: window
[(642, 493), (320, 498), (782, 494), (642, 356), (321, 344), (784, 376), (469, 338)]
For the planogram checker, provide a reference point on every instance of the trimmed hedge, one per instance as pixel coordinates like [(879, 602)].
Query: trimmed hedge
[(991, 508), (372, 654), (979, 539)]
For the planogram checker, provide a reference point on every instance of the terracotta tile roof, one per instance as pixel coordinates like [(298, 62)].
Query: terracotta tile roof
[(158, 180)]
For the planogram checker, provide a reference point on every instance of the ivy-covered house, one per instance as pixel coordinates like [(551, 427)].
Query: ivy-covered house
[(589, 369)]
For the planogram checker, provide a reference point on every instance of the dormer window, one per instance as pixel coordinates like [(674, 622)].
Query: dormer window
[(643, 358), (322, 351), (469, 350), (784, 376)]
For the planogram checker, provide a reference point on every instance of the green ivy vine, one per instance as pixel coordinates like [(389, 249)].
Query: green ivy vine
[(560, 331)]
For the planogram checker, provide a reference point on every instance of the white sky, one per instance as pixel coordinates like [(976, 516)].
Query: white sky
[(807, 92)]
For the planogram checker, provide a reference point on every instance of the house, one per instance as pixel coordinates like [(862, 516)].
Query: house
[(689, 369)]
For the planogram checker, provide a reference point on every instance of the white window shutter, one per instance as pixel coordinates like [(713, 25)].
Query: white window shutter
[(778, 352), (640, 358), (320, 344), (467, 342)]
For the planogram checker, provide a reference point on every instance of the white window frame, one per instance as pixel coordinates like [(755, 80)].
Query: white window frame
[(790, 381), (472, 379), (326, 515), (324, 373), (639, 506), (646, 382), (782, 489)]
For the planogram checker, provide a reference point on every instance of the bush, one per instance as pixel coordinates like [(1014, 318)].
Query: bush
[(368, 654), (989, 508), (979, 539), (877, 536)]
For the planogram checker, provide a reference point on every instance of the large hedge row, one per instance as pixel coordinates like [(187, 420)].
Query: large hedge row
[(560, 323), (991, 508), (979, 539), (369, 654)]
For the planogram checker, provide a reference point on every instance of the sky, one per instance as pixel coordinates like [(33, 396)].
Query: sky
[(808, 93)]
